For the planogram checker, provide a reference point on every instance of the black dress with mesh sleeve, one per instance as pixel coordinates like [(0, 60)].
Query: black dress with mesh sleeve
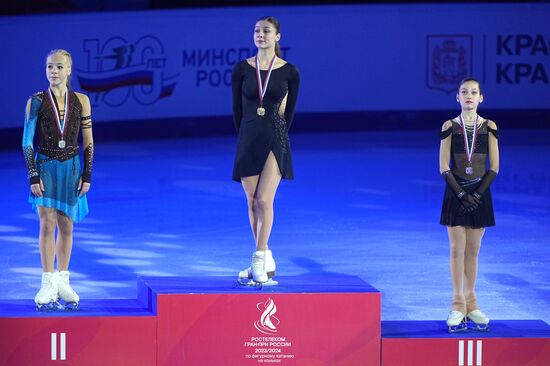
[(258, 135), (451, 212)]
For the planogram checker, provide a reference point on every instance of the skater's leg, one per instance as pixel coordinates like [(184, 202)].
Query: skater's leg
[(46, 240), (263, 200), (63, 251), (457, 242), (64, 243), (473, 244), (260, 193), (249, 185)]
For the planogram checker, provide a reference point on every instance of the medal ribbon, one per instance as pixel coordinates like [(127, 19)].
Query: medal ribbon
[(60, 124), (263, 89), (469, 149)]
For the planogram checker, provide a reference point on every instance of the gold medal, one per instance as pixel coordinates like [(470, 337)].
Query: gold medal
[(262, 88)]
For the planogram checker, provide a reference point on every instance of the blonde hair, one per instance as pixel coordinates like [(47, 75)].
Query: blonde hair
[(69, 58)]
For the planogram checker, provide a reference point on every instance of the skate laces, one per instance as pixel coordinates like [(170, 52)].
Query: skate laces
[(48, 282), (258, 262), (64, 285), (478, 315)]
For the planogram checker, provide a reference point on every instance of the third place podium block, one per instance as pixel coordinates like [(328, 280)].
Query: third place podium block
[(427, 343)]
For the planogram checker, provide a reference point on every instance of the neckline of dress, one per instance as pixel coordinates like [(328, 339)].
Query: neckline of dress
[(471, 125), (278, 68)]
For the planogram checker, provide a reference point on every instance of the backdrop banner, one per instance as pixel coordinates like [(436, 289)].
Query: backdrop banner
[(151, 65)]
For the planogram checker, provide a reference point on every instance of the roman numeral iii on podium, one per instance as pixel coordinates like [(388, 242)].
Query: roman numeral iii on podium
[(470, 353)]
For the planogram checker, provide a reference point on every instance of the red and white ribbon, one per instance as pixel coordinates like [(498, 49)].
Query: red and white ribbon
[(469, 149), (60, 124), (263, 88)]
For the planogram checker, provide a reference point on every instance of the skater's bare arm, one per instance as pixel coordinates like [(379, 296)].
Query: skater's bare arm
[(445, 148)]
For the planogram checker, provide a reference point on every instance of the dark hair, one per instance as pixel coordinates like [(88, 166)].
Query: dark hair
[(277, 26), (465, 80)]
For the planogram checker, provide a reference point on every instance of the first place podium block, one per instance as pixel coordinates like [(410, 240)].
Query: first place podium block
[(306, 320)]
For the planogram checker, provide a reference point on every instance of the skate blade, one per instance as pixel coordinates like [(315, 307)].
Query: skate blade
[(249, 276), (457, 329), (252, 283), (480, 327), (270, 282), (68, 306), (49, 307), (462, 327)]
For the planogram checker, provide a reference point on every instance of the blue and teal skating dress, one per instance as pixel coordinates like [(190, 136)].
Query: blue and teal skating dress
[(57, 164)]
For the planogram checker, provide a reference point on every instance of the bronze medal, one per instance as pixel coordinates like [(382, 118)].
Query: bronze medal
[(469, 149)]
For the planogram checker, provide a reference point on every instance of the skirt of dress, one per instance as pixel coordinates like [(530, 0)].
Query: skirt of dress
[(60, 179), (452, 215), (256, 139)]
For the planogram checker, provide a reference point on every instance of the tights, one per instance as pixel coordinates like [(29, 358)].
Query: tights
[(465, 244)]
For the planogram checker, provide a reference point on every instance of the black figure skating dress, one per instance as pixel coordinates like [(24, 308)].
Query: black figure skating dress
[(258, 135), (451, 213)]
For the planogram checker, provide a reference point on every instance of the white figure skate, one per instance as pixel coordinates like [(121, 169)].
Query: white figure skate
[(65, 291), (456, 321), (479, 319), (46, 298), (261, 271)]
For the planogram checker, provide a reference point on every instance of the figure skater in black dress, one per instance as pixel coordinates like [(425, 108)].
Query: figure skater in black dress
[(265, 90), (467, 142)]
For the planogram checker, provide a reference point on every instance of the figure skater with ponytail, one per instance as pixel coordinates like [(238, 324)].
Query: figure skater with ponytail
[(265, 90), (58, 185)]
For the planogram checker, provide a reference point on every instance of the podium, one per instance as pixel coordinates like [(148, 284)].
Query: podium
[(306, 320), (102, 332), (427, 343)]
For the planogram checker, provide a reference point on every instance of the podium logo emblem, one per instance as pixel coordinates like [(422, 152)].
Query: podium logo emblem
[(268, 322), (448, 61)]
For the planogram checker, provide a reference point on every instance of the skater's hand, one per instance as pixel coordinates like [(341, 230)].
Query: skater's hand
[(469, 203), (37, 189), (83, 187)]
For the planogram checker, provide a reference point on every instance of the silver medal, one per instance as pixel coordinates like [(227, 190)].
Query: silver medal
[(260, 111), (60, 123), (469, 170)]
